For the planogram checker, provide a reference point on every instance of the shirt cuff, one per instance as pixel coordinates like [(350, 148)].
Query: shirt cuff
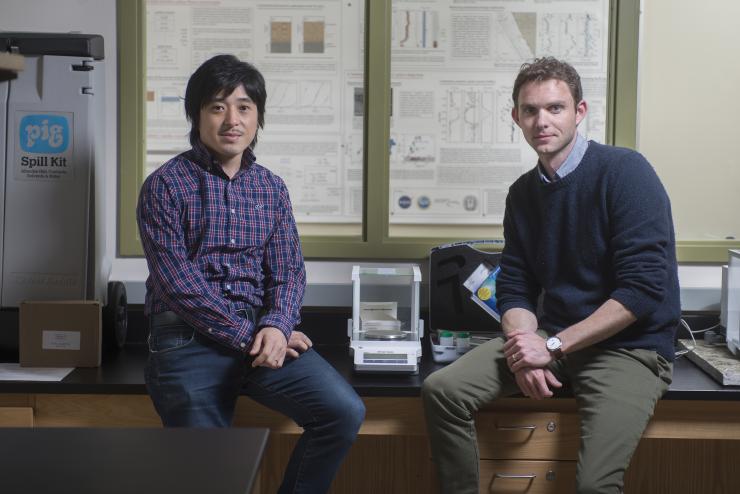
[(279, 321), (243, 336)]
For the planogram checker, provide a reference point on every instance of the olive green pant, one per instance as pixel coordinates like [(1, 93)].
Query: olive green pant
[(616, 391)]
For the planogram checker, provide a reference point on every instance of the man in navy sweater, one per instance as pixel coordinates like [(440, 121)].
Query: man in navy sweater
[(588, 290)]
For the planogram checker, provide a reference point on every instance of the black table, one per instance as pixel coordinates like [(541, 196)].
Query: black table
[(123, 373), (141, 461)]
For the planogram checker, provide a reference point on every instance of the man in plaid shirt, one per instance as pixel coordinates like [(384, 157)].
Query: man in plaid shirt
[(226, 283)]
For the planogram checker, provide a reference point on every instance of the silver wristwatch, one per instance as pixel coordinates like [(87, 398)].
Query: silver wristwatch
[(555, 347)]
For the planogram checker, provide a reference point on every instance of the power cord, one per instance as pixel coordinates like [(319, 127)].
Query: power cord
[(683, 352), (710, 337)]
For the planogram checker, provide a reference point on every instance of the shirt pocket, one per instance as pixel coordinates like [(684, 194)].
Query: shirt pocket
[(258, 222)]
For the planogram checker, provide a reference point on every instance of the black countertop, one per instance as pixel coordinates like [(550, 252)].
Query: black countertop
[(122, 372)]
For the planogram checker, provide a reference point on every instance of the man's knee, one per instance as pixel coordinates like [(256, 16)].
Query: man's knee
[(589, 482), (349, 413), (441, 392), (434, 388)]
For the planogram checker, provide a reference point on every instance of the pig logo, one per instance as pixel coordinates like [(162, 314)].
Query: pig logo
[(44, 134)]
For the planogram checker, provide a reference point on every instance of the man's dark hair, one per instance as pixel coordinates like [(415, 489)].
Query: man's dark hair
[(545, 69), (222, 73)]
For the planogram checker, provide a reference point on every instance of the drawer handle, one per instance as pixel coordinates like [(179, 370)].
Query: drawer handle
[(516, 427), (525, 476)]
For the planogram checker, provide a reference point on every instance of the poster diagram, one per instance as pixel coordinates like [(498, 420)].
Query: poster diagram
[(417, 29), (469, 115), (299, 96), (515, 36), (313, 35), (507, 131), (281, 35), (453, 149), (412, 150), (315, 95), (575, 37)]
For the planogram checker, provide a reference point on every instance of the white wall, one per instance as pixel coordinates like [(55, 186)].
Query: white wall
[(329, 282), (689, 107)]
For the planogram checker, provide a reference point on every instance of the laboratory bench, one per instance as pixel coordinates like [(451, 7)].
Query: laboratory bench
[(690, 446)]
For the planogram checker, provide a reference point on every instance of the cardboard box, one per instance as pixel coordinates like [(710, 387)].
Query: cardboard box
[(60, 333)]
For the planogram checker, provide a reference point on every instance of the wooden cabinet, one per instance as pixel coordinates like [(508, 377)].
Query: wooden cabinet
[(527, 476), (16, 411), (528, 436), (690, 447), (532, 452), (16, 417)]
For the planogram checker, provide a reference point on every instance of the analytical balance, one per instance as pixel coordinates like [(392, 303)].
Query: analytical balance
[(385, 330)]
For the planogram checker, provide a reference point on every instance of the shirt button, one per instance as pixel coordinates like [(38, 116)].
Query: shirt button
[(233, 211), (210, 330), (233, 241), (242, 344), (228, 287)]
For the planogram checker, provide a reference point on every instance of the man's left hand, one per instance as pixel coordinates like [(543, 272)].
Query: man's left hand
[(525, 349), (298, 344)]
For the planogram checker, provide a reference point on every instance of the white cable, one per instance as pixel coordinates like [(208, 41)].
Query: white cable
[(705, 329), (681, 353)]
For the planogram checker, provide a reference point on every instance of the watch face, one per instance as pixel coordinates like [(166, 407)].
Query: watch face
[(553, 343)]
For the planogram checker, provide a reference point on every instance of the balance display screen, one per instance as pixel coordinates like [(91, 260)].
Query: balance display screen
[(385, 356)]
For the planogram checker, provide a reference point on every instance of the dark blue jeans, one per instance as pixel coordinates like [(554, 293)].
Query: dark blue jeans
[(194, 382)]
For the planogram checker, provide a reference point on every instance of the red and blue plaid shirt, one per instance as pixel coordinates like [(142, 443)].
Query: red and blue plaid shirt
[(215, 245)]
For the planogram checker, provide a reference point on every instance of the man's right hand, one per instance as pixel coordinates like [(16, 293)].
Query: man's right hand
[(536, 383), (268, 348)]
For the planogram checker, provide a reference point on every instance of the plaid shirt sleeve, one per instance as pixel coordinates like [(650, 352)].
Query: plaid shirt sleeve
[(177, 280), (284, 270)]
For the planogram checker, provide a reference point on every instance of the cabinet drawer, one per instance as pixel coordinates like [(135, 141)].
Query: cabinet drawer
[(530, 477), (16, 417), (533, 436)]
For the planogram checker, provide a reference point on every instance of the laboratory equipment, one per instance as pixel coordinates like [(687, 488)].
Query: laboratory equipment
[(730, 303), (52, 118), (385, 330), (462, 288)]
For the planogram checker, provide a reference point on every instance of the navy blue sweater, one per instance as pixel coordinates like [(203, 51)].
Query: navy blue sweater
[(604, 231)]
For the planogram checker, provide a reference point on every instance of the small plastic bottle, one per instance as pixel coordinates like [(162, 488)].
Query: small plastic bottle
[(446, 338), (462, 341)]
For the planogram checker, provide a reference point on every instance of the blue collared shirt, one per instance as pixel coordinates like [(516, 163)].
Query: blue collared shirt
[(215, 245), (570, 163)]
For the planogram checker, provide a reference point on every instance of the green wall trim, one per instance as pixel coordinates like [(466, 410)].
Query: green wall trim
[(624, 39), (702, 251), (377, 118), (131, 120)]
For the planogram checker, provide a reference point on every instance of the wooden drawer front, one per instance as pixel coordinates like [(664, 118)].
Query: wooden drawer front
[(532, 436), (530, 477), (16, 417)]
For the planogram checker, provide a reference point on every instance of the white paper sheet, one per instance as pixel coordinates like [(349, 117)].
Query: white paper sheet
[(14, 372)]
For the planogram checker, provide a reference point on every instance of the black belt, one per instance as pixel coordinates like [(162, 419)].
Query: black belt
[(171, 317)]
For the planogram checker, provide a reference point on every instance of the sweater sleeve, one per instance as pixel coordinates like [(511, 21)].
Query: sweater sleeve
[(516, 285), (641, 235)]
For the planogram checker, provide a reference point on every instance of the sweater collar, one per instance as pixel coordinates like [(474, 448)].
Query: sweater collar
[(571, 162)]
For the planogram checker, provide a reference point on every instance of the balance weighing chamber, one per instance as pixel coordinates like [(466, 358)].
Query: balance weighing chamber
[(385, 330)]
